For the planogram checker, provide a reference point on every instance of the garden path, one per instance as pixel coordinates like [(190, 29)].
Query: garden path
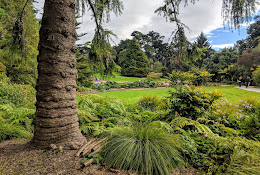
[(250, 88)]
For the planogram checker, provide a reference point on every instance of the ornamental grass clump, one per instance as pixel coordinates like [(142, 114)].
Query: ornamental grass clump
[(151, 103), (144, 148)]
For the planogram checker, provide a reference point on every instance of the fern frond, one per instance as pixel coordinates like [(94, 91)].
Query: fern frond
[(9, 131), (179, 122)]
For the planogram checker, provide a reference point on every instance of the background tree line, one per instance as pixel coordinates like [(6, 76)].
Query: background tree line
[(135, 57)]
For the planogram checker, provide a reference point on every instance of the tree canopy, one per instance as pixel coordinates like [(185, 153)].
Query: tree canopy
[(133, 60), (18, 40)]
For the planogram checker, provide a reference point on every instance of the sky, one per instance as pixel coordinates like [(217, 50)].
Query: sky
[(203, 16)]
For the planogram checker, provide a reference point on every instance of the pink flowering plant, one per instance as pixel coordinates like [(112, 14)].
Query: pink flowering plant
[(244, 116)]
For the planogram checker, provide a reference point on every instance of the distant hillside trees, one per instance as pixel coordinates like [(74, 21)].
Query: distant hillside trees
[(219, 61)]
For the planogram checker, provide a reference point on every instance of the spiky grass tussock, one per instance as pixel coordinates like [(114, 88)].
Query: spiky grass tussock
[(151, 102), (143, 148)]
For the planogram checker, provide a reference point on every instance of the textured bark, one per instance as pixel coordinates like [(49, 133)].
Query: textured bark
[(56, 108)]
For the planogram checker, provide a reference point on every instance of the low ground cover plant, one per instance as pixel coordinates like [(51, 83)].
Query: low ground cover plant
[(141, 84), (17, 110), (107, 86)]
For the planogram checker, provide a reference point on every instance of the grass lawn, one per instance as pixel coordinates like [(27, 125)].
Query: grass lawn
[(121, 78), (132, 96)]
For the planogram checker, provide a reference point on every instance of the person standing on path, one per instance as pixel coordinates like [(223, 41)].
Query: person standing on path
[(247, 81), (240, 81)]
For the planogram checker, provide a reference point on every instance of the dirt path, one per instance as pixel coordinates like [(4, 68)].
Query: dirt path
[(17, 157)]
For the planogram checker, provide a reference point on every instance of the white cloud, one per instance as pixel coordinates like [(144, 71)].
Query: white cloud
[(203, 16), (221, 46)]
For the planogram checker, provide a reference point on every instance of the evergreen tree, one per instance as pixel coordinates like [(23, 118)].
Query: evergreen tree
[(203, 44), (133, 60), (85, 66), (19, 38), (153, 46)]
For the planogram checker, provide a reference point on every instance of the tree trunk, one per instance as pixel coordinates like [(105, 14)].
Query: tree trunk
[(56, 108)]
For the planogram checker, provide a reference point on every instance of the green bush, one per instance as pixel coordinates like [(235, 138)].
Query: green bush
[(256, 75), (107, 86), (17, 94), (151, 102), (83, 89), (144, 148), (142, 84), (97, 113), (154, 76), (206, 154), (212, 154), (10, 131), (244, 117), (178, 76), (190, 102), (15, 122), (112, 84)]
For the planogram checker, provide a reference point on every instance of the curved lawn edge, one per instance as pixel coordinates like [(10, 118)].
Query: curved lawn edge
[(132, 95)]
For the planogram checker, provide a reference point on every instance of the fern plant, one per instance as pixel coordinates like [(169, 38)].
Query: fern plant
[(15, 122), (97, 113), (10, 131), (144, 148)]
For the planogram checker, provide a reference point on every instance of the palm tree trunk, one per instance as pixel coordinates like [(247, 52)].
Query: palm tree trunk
[(56, 108)]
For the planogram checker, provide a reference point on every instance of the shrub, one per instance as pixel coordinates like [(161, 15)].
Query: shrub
[(256, 75), (142, 84), (190, 102), (15, 122), (221, 155), (244, 117), (18, 94), (154, 76), (9, 131), (201, 77), (97, 113), (108, 85), (178, 76), (113, 84), (143, 148), (150, 102), (83, 89)]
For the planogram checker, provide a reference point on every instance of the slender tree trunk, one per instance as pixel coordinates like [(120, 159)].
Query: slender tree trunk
[(56, 108)]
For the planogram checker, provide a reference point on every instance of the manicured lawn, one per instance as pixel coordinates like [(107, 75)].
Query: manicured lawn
[(132, 96), (121, 78), (234, 94)]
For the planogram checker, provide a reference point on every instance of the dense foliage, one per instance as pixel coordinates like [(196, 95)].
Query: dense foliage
[(142, 84), (133, 61), (19, 36), (256, 75), (17, 110), (215, 138), (153, 136), (190, 102)]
